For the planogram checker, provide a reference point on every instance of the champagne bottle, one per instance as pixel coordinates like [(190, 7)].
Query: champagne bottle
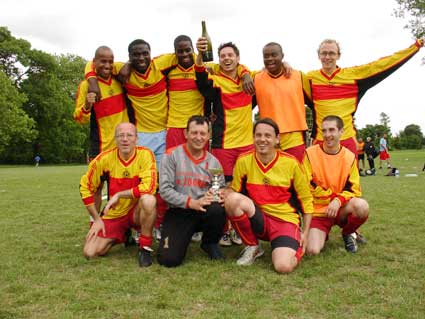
[(207, 56)]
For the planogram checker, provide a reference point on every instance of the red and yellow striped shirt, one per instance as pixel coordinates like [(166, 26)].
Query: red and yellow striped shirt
[(278, 189), (138, 174)]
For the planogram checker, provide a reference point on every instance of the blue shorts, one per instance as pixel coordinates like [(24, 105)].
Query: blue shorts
[(155, 142)]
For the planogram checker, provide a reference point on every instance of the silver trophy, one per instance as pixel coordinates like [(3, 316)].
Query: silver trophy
[(215, 182)]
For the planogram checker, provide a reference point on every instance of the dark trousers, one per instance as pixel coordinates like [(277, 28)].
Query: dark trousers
[(371, 161), (178, 227)]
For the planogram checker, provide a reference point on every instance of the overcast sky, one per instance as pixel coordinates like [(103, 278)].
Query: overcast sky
[(366, 30)]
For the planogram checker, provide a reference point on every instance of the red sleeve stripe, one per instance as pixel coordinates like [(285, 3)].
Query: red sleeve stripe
[(199, 68), (88, 201)]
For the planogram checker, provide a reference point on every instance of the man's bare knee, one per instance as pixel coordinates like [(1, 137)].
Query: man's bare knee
[(148, 203), (361, 208), (284, 267), (313, 250), (232, 202)]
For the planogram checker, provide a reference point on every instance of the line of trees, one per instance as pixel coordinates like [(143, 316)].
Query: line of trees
[(409, 138), (36, 104)]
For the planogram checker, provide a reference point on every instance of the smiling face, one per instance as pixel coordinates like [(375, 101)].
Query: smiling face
[(228, 60), (272, 58), (126, 139), (103, 62), (328, 55), (265, 139), (331, 136), (197, 136), (140, 57), (184, 53)]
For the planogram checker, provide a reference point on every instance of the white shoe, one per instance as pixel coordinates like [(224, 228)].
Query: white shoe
[(136, 236), (234, 237), (197, 237), (249, 254), (225, 240), (157, 234)]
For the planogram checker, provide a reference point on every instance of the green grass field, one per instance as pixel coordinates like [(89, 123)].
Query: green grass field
[(44, 275)]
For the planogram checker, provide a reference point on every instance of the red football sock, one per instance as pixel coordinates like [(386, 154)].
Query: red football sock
[(243, 226), (145, 241), (353, 223), (161, 208)]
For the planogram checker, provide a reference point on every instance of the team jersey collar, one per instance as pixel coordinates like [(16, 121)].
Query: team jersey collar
[(145, 75), (129, 161), (265, 168), (107, 82), (330, 77), (194, 160)]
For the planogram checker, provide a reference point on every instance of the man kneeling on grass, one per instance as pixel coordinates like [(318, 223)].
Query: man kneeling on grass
[(185, 184), (131, 174), (335, 185), (277, 189)]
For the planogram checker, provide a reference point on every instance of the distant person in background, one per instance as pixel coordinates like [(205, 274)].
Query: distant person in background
[(371, 153), (37, 160), (383, 151), (360, 153)]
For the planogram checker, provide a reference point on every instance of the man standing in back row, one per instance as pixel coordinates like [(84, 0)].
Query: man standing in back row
[(337, 91), (281, 98)]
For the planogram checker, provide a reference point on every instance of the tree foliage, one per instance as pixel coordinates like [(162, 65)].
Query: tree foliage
[(16, 126), (414, 12), (40, 91)]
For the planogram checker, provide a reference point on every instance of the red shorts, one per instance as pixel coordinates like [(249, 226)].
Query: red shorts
[(297, 151), (383, 155), (175, 137), (325, 223), (227, 157), (349, 143), (274, 227), (115, 228)]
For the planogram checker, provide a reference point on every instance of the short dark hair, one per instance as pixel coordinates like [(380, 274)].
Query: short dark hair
[(276, 44), (181, 38), (198, 119), (337, 119), (268, 121), (137, 42), (228, 45)]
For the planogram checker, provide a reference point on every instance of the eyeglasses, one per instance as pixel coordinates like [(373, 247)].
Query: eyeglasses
[(332, 54), (123, 136)]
